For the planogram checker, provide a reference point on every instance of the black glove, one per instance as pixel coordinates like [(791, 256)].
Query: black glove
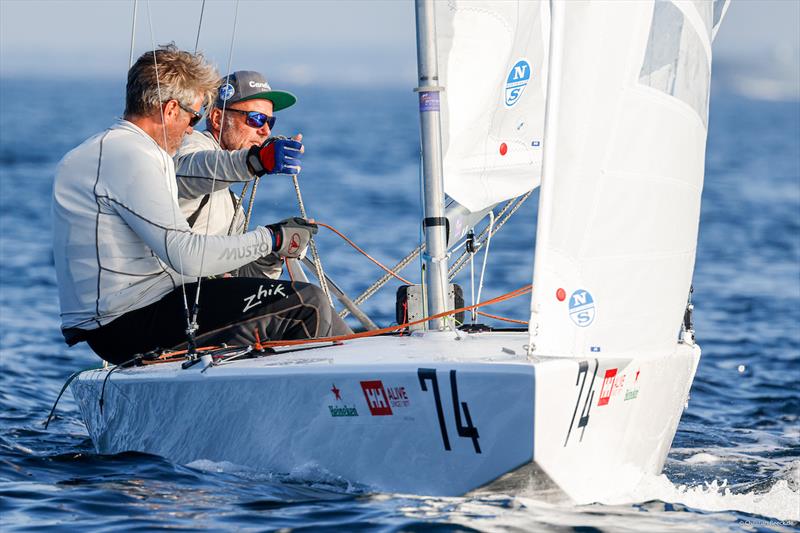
[(290, 237), (278, 155)]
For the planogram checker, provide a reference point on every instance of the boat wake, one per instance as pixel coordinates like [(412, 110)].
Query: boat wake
[(781, 501)]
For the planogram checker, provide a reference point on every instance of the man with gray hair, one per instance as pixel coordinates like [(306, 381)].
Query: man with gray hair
[(241, 119), (126, 259)]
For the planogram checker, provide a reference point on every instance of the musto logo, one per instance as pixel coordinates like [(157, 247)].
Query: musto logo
[(581, 308), (294, 244), (377, 401)]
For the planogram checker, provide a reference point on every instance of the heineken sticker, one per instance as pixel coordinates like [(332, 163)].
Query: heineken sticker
[(340, 408)]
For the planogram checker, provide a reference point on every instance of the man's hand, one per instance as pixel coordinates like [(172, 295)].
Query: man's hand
[(291, 236), (278, 155)]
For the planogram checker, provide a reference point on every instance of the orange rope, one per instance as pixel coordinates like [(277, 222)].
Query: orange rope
[(168, 357), (375, 332), (365, 254), (515, 321)]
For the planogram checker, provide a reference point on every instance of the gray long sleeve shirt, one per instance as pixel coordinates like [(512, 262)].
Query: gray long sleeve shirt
[(198, 159), (119, 240)]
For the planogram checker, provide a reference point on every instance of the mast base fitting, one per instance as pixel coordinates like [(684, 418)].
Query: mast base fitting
[(409, 304)]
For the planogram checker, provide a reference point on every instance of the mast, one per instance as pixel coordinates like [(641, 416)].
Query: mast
[(434, 222)]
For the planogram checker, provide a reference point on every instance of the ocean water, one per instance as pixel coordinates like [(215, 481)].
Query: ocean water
[(735, 461)]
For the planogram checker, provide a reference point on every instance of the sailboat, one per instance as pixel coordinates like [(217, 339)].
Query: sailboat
[(605, 104)]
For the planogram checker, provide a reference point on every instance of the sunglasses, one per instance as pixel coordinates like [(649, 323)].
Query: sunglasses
[(255, 119), (196, 115)]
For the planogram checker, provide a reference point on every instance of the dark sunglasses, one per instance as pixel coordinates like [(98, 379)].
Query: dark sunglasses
[(255, 119), (196, 115)]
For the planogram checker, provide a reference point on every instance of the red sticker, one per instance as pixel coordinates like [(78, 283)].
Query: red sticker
[(377, 401), (561, 294), (608, 386), (503, 149)]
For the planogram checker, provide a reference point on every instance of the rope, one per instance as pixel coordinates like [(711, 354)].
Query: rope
[(365, 254), (504, 319), (314, 255), (503, 297)]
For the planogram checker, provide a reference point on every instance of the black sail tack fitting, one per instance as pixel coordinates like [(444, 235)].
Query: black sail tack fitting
[(470, 244)]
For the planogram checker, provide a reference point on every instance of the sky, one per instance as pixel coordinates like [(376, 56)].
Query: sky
[(339, 42)]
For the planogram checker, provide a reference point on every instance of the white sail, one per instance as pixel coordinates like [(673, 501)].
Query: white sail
[(620, 198), (492, 63)]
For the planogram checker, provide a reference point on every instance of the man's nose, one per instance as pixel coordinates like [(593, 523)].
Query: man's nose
[(264, 130)]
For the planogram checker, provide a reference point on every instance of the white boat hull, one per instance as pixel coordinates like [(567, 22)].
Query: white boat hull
[(366, 412)]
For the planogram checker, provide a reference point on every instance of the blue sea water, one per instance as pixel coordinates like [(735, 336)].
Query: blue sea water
[(735, 462)]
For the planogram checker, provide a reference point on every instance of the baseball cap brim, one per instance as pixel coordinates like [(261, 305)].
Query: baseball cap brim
[(280, 99)]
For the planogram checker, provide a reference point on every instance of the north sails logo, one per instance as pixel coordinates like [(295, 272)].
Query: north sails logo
[(255, 299), (226, 92)]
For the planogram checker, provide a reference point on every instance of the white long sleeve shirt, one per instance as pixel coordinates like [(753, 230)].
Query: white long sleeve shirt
[(120, 240)]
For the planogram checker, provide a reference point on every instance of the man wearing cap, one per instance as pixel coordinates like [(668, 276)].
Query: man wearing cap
[(128, 264), (239, 123)]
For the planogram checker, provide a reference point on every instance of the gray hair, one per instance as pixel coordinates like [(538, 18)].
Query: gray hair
[(181, 76)]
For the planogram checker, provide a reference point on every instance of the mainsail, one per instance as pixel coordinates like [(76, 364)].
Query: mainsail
[(492, 62), (620, 198)]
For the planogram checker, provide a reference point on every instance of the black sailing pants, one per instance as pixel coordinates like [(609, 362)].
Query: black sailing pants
[(232, 310)]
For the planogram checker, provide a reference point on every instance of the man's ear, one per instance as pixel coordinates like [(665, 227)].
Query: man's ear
[(171, 109), (215, 118)]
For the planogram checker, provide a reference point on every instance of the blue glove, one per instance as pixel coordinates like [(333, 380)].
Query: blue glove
[(278, 155)]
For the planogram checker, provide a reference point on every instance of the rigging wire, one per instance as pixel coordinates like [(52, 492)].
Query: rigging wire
[(238, 206), (166, 166), (485, 256), (199, 26), (505, 213), (314, 254), (196, 306), (133, 33)]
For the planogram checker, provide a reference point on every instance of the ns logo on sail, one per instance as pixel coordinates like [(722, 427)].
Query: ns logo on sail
[(517, 80), (581, 308)]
